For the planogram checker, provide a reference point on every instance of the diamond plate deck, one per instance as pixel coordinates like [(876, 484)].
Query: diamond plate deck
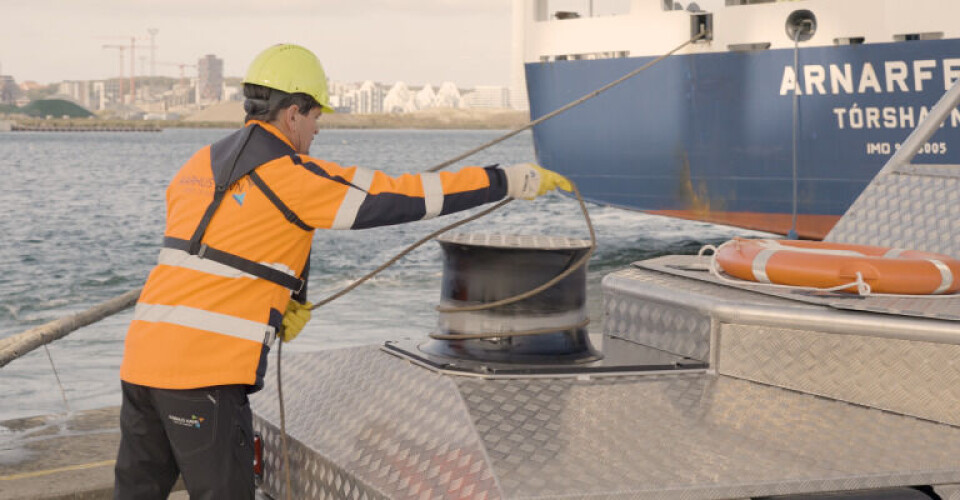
[(674, 328), (369, 425), (670, 328), (364, 424), (913, 206), (913, 378), (898, 364)]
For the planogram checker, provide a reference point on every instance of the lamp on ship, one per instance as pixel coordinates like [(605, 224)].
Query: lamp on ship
[(801, 25)]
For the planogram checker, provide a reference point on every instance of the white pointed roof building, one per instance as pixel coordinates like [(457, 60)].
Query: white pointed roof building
[(426, 98), (399, 99), (448, 96)]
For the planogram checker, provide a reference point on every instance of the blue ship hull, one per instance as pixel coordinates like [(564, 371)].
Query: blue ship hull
[(710, 136)]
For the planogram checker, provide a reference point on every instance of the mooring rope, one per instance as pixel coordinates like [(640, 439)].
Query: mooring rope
[(580, 262), (569, 105), (63, 393), (487, 145), (283, 427), (16, 346), (128, 299), (792, 233)]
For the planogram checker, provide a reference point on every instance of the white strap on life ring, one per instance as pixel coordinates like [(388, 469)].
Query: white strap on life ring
[(776, 245), (759, 264), (893, 253), (946, 276)]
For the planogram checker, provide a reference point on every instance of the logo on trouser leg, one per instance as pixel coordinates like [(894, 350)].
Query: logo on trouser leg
[(193, 421)]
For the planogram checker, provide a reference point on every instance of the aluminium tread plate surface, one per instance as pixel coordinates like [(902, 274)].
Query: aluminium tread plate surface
[(912, 206), (675, 278), (365, 424), (915, 378), (942, 307)]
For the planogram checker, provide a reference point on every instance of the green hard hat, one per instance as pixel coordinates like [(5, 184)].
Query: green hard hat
[(290, 68)]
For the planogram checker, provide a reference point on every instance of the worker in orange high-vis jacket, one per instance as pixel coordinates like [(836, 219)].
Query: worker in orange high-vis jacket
[(232, 275)]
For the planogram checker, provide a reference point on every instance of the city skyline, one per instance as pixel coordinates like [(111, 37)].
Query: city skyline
[(379, 40)]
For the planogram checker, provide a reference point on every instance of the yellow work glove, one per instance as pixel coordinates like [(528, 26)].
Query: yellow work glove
[(550, 180), (526, 181), (294, 319)]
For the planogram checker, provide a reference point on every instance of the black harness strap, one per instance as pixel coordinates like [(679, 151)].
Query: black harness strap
[(235, 261), (289, 214), (313, 167), (301, 295), (229, 164), (219, 193)]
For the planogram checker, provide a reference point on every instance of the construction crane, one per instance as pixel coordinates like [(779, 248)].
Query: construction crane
[(179, 65), (133, 48)]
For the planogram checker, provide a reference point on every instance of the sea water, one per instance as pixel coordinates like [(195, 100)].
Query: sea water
[(81, 221)]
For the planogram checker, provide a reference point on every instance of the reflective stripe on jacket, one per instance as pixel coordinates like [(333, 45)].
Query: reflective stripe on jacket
[(201, 323)]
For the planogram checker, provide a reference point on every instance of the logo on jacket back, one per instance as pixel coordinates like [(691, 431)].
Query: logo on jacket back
[(238, 197), (193, 421)]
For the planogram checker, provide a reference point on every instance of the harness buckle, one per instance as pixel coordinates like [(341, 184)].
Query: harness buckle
[(270, 336), (202, 251)]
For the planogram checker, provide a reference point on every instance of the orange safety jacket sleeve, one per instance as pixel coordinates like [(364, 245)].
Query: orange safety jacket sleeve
[(330, 196)]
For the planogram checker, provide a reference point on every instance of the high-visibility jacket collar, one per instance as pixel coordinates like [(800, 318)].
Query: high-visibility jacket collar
[(273, 130)]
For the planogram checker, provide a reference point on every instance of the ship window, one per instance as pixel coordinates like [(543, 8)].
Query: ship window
[(750, 2), (936, 35), (590, 56), (576, 9), (853, 40), (701, 22), (748, 47)]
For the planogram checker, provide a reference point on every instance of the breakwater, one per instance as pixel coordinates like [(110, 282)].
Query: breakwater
[(79, 127)]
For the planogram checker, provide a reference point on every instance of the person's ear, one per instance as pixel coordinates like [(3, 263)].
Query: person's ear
[(291, 114)]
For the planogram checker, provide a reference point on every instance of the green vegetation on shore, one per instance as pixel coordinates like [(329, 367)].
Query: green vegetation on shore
[(55, 107)]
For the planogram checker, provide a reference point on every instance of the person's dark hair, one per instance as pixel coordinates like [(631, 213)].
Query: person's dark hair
[(264, 103)]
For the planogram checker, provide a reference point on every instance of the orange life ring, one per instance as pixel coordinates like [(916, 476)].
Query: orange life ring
[(825, 265)]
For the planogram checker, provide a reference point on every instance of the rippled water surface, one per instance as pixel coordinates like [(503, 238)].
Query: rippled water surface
[(82, 217)]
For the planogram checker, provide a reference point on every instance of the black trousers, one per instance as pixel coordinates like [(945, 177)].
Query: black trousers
[(204, 434)]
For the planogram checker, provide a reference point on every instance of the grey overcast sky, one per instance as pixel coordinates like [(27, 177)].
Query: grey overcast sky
[(417, 41)]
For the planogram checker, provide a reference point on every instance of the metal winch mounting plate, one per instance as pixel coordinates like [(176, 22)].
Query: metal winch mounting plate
[(518, 241), (620, 357)]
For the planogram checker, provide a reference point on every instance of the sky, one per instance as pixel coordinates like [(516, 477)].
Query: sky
[(417, 41)]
